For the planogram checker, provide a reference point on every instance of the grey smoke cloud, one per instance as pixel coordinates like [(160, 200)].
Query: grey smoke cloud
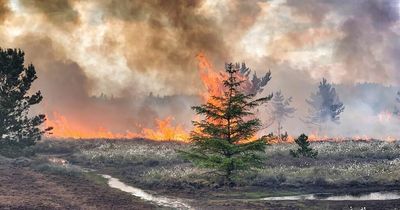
[(368, 38), (128, 49)]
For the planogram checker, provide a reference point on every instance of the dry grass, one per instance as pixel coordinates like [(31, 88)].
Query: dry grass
[(154, 165)]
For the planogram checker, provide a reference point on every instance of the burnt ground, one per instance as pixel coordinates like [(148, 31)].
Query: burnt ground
[(24, 188)]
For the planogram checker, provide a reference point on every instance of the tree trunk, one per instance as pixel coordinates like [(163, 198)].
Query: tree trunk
[(228, 175), (279, 131)]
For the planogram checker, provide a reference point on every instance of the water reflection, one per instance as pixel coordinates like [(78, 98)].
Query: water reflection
[(330, 197), (162, 201)]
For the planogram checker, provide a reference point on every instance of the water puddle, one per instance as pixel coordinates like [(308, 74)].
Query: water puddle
[(116, 183), (162, 201), (362, 197)]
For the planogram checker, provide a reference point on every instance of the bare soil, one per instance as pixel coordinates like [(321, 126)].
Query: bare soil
[(24, 188)]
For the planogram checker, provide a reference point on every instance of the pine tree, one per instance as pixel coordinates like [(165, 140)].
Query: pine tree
[(223, 140), (256, 84), (304, 148), (397, 109), (18, 129), (325, 105), (281, 110)]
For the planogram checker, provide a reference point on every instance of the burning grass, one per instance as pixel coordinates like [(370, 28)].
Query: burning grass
[(165, 130)]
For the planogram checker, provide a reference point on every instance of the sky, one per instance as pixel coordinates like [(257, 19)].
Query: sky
[(99, 61)]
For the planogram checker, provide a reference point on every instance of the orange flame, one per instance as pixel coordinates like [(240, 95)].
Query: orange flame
[(66, 128), (213, 81), (210, 78), (166, 131), (63, 128)]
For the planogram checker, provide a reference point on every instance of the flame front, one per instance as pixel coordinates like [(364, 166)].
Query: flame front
[(164, 131), (63, 128), (211, 79)]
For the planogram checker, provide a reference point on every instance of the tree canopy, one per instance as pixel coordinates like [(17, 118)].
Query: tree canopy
[(225, 139), (304, 148), (281, 110), (325, 105), (256, 84), (17, 127)]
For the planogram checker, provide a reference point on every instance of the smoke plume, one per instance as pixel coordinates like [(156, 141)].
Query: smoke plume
[(120, 65)]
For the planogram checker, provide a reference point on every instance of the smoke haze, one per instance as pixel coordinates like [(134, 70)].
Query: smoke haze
[(122, 64)]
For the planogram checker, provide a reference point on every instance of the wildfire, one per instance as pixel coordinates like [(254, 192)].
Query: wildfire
[(64, 128), (210, 78), (165, 131), (316, 138)]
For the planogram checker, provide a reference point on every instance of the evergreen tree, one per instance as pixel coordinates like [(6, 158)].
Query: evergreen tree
[(281, 110), (304, 148), (325, 105), (397, 109), (256, 84), (18, 129), (223, 140)]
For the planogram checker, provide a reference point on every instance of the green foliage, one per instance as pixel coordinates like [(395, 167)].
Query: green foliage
[(304, 148), (222, 141), (18, 129)]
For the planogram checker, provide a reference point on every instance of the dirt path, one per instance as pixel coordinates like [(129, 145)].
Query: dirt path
[(23, 188)]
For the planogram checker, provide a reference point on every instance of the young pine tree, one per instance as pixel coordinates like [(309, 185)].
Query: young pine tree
[(223, 139), (304, 148), (18, 129), (281, 110), (325, 105)]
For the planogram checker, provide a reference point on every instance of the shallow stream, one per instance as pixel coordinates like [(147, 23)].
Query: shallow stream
[(330, 197), (175, 203)]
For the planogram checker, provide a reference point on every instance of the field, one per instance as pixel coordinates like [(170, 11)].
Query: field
[(344, 167)]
